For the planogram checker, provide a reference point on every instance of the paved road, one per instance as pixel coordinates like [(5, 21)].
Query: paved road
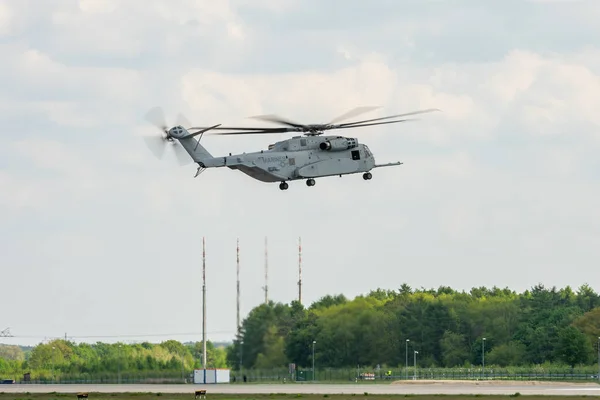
[(415, 388)]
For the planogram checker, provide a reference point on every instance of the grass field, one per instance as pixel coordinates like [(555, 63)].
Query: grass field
[(170, 396)]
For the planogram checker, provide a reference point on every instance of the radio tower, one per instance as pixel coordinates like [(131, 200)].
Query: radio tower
[(238, 298), (203, 303), (238, 284), (266, 287), (300, 270)]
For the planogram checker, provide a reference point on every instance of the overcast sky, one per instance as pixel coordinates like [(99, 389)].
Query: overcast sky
[(99, 238)]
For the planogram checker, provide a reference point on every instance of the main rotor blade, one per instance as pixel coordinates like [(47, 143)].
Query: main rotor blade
[(248, 132), (237, 128), (308, 128), (353, 113), (382, 118), (277, 120), (201, 131), (374, 123), (335, 127)]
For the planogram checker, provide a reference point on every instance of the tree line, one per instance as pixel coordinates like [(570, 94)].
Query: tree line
[(447, 327), (541, 326), (65, 360)]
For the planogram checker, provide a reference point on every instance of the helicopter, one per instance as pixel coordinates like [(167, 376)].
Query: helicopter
[(307, 156)]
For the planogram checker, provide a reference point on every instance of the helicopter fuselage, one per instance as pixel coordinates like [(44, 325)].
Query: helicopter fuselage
[(301, 157)]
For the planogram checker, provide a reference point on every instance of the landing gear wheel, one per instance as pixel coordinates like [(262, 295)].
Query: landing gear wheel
[(283, 186), (367, 176), (310, 182)]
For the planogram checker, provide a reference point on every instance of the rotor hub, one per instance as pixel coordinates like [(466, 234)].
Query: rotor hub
[(313, 132), (176, 132)]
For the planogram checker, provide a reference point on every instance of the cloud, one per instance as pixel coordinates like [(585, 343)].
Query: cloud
[(504, 178), (5, 18)]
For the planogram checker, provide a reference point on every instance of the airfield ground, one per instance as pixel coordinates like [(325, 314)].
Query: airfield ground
[(424, 390), (153, 396)]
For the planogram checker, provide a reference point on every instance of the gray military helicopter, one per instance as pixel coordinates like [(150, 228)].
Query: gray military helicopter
[(310, 156)]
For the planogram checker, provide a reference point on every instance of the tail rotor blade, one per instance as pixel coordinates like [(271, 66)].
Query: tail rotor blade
[(156, 117), (156, 144), (183, 121), (183, 158)]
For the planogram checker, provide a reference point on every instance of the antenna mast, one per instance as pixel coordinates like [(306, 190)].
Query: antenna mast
[(238, 299), (300, 270), (203, 303), (6, 333), (238, 283), (266, 288)]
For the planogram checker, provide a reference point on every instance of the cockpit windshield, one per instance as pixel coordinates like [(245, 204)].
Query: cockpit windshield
[(367, 151)]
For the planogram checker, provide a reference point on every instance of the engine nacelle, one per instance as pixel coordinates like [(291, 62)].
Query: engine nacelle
[(338, 144)]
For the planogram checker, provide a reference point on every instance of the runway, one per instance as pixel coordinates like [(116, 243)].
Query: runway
[(437, 387)]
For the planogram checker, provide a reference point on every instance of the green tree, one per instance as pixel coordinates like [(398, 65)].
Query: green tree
[(573, 346), (454, 349), (8, 352), (507, 354), (328, 301), (589, 323), (175, 347), (274, 355)]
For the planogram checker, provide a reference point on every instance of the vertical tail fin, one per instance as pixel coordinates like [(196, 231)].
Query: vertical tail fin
[(195, 149), (198, 152)]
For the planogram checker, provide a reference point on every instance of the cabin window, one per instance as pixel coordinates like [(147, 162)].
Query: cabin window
[(302, 142), (355, 155)]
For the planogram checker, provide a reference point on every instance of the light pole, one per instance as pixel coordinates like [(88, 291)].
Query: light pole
[(406, 366), (483, 357), (53, 348), (313, 360), (182, 367), (416, 352), (119, 364)]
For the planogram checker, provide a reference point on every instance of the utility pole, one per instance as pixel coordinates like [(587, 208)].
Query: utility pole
[(203, 303), (266, 288), (406, 367), (238, 283), (238, 297), (300, 270)]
